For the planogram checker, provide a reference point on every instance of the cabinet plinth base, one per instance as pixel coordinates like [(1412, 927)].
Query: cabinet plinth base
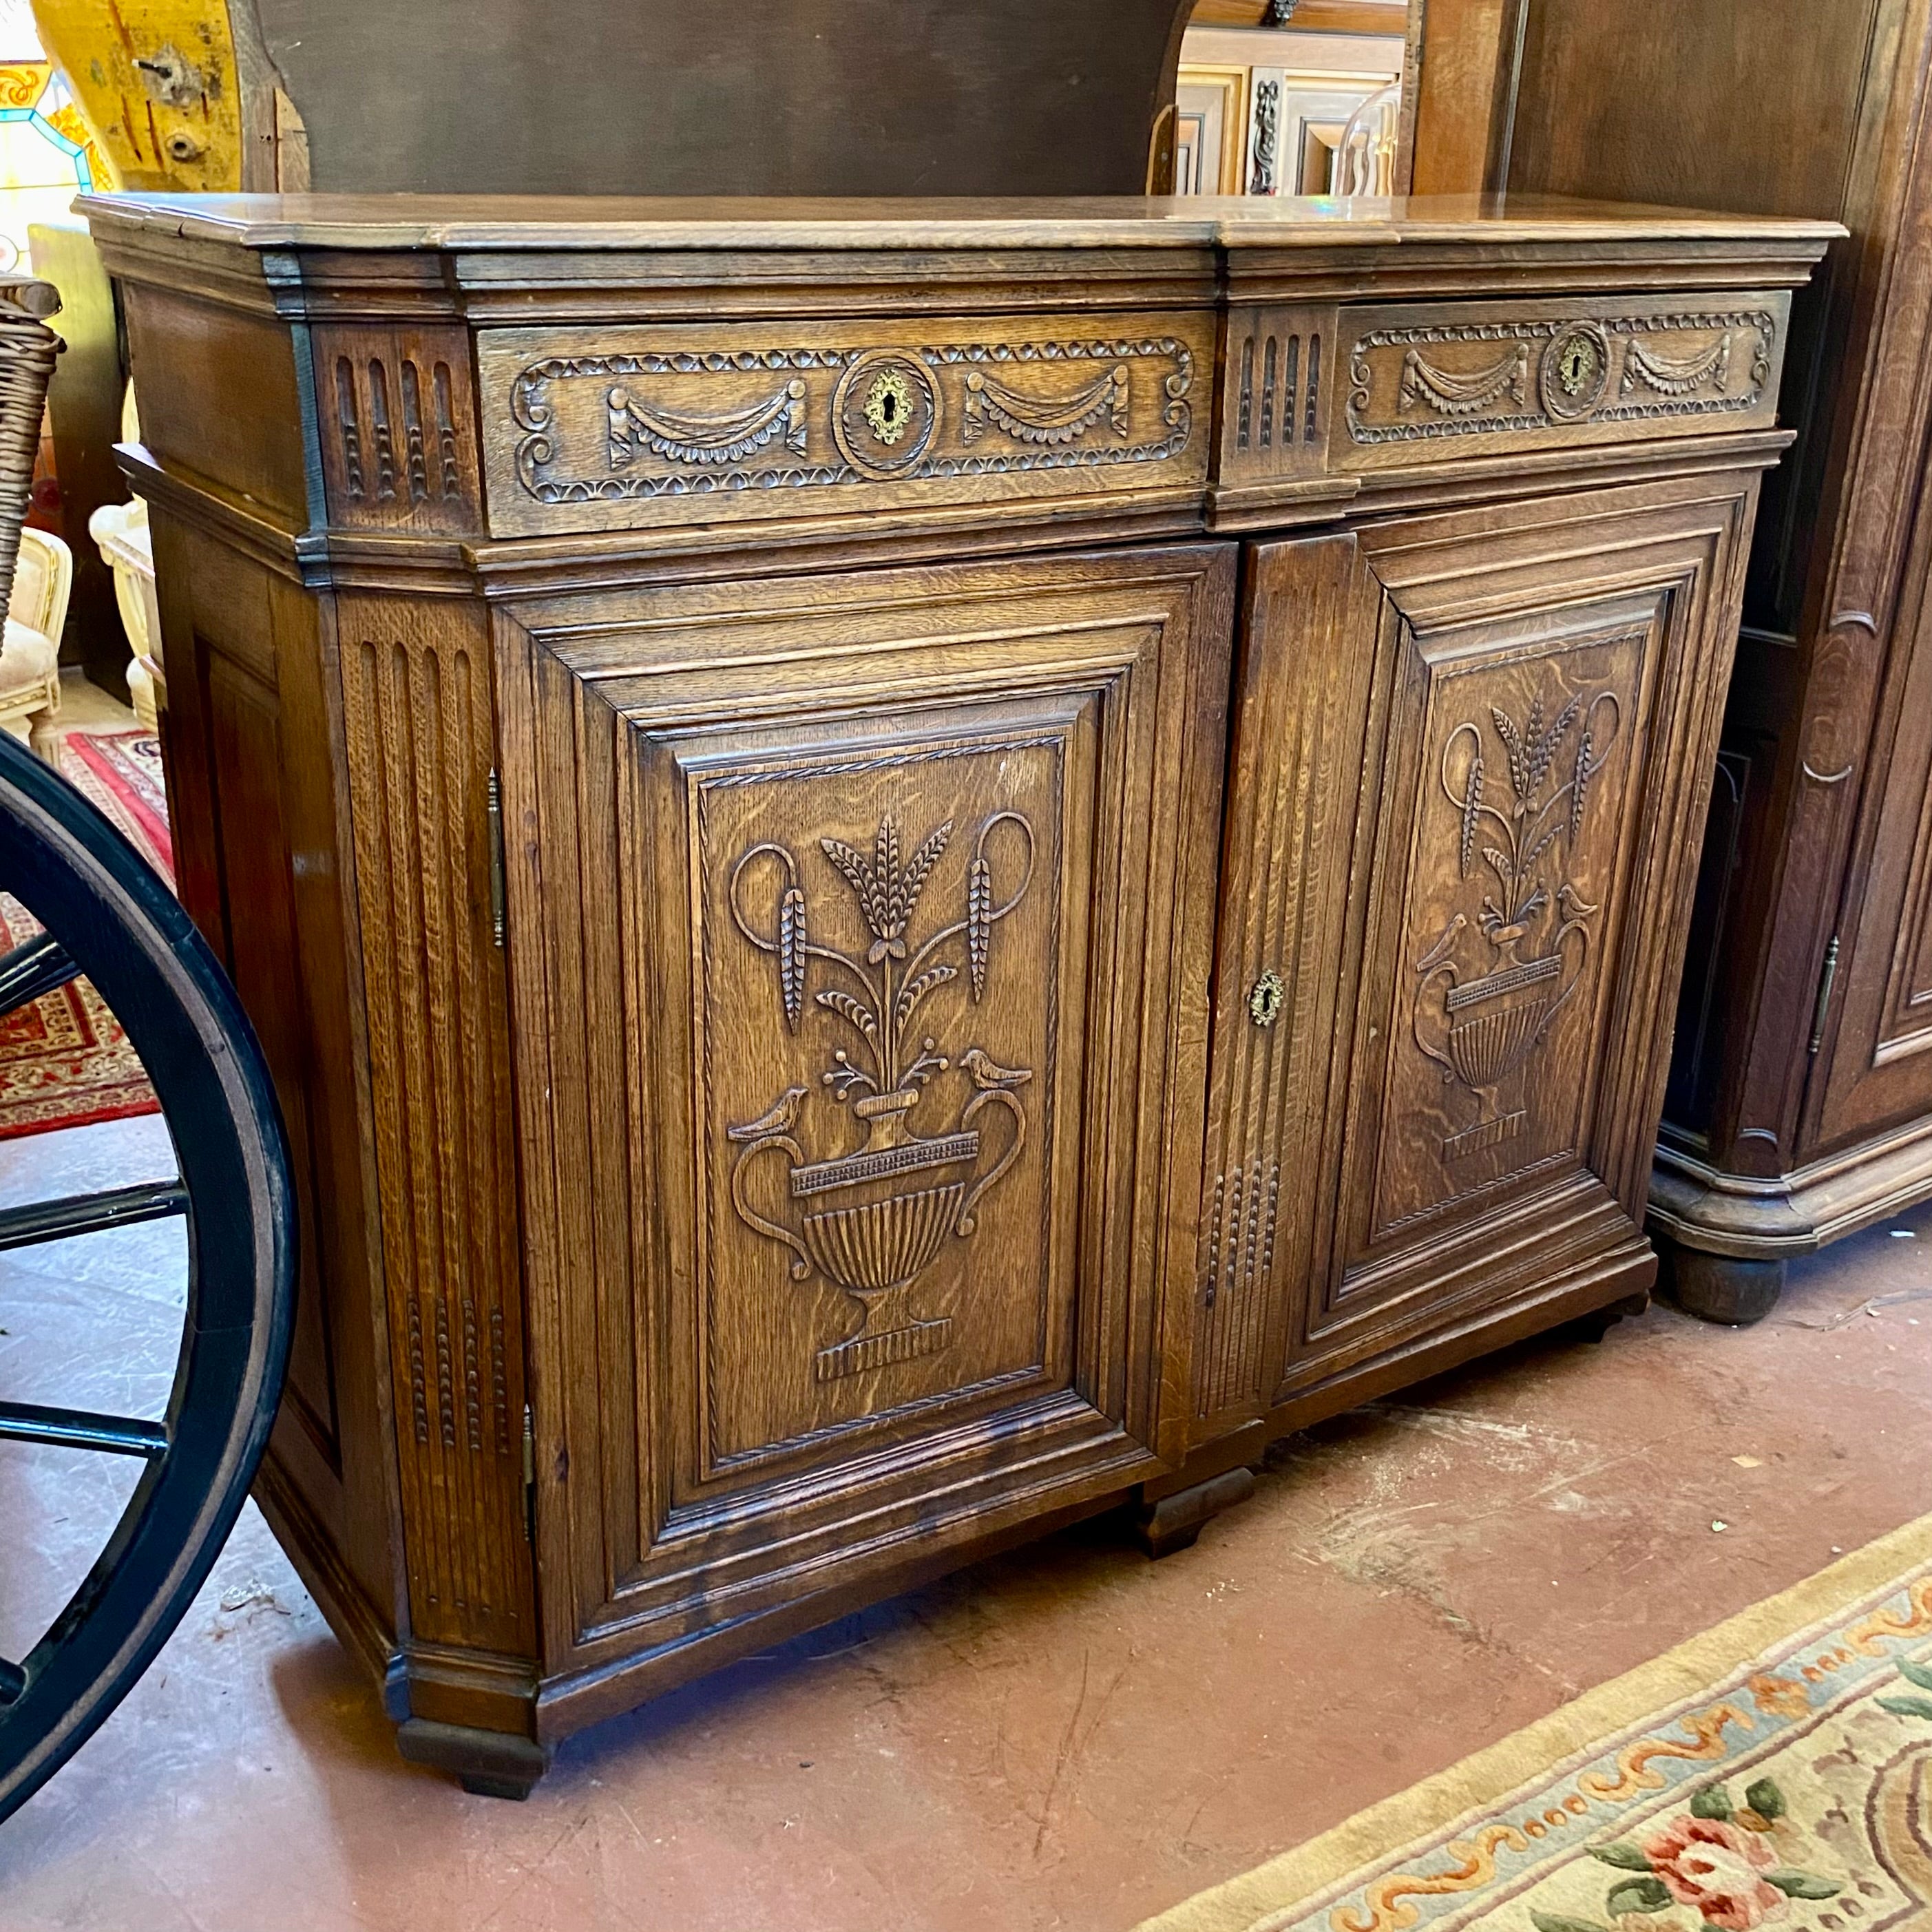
[(1720, 1287), (1175, 1521), (1696, 1205), (489, 1764)]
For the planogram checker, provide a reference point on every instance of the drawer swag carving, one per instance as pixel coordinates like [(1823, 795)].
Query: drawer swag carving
[(872, 1244), (643, 424), (637, 430), (1483, 1029), (1411, 384)]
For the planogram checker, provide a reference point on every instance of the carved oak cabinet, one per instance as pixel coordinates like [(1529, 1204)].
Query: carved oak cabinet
[(912, 870)]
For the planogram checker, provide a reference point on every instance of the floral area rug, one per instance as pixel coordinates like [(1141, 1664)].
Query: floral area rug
[(64, 1060), (1774, 1772)]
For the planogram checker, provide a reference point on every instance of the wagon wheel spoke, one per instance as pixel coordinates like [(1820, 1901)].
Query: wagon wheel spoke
[(35, 968), (107, 915)]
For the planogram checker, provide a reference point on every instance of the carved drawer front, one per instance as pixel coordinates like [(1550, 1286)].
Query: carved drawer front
[(1433, 383), (1470, 768), (856, 914), (621, 428)]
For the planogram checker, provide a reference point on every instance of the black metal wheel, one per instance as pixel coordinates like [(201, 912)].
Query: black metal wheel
[(108, 917)]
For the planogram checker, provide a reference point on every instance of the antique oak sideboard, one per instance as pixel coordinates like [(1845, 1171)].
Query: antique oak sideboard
[(912, 869)]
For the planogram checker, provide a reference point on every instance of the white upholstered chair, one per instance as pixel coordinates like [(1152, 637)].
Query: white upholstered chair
[(120, 531), (30, 657)]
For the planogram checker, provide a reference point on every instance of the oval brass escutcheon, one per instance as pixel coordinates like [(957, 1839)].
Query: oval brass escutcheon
[(1265, 1000)]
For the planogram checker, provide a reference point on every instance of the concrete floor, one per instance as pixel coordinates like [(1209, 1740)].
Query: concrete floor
[(1068, 1736)]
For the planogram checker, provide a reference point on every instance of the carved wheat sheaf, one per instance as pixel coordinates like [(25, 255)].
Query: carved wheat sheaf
[(1482, 1028)]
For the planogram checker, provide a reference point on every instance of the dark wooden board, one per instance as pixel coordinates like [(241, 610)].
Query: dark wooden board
[(764, 97)]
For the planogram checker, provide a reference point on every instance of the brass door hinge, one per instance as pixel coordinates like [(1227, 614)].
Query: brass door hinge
[(530, 1476), (1826, 980), (497, 893)]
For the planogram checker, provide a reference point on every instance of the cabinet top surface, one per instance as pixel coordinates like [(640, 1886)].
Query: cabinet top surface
[(516, 222)]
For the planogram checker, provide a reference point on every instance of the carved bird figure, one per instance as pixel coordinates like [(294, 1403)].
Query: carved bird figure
[(989, 1076), (779, 1120)]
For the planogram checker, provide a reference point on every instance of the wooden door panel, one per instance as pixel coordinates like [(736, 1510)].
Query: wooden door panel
[(860, 967), (1472, 757), (1490, 960), (889, 1011)]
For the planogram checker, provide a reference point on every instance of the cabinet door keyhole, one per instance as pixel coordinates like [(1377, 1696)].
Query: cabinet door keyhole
[(1264, 1000)]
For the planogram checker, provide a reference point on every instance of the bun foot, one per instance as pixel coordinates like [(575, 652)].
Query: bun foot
[(1175, 1521), (489, 1764), (1720, 1287), (1598, 1323)]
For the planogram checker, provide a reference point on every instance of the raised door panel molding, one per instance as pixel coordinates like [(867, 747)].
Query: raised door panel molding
[(857, 914), (1430, 383), (623, 428), (1526, 766), (890, 1013), (419, 737)]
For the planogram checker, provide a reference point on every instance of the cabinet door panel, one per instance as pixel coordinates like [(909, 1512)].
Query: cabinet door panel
[(1877, 1045), (1510, 818), (860, 957), (883, 1064), (1471, 762)]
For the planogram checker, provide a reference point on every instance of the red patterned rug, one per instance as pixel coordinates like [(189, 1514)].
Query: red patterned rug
[(64, 1060)]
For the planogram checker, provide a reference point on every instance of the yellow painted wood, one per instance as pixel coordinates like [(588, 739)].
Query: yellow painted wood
[(175, 123)]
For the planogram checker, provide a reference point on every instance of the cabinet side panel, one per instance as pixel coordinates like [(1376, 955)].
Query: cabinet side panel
[(219, 398), (258, 849), (417, 717)]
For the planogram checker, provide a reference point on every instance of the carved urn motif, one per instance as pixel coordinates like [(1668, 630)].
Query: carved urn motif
[(1482, 1029), (872, 1219)]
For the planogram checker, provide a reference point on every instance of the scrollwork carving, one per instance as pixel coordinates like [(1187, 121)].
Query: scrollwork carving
[(707, 452), (1574, 382)]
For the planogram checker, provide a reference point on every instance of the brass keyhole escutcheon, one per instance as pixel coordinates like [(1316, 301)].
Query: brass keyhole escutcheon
[(1265, 1000), (1578, 363), (889, 406)]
